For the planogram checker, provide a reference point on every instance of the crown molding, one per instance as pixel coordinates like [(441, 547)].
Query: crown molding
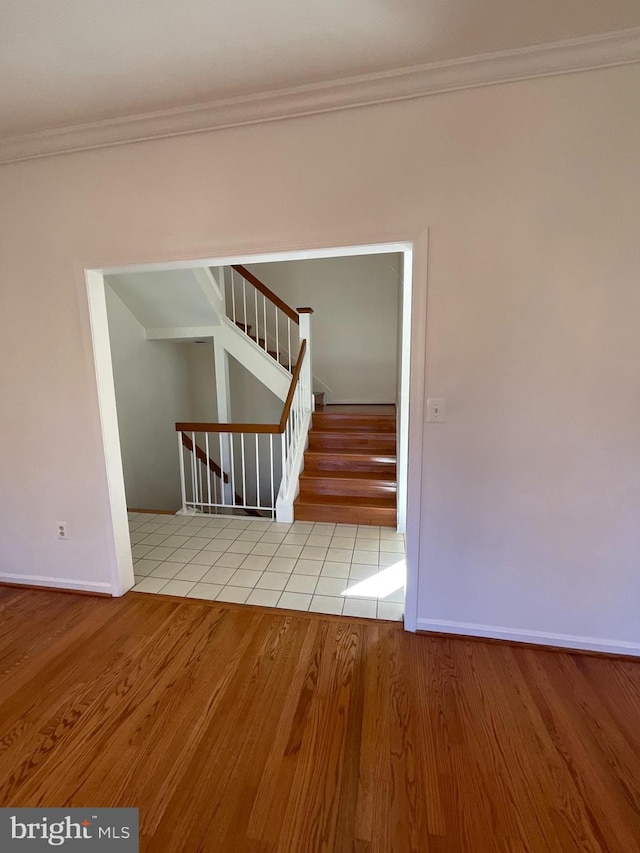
[(561, 57)]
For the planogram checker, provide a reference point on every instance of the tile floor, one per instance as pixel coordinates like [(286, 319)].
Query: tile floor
[(347, 569)]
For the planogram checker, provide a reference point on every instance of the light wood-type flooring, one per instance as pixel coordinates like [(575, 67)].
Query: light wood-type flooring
[(237, 728)]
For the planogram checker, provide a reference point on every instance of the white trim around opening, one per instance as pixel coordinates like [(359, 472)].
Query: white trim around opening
[(410, 417)]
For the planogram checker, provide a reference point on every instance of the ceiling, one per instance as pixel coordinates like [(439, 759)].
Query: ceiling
[(64, 62)]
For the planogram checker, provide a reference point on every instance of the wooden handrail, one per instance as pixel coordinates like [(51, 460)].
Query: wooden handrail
[(202, 456), (185, 426), (271, 296), (292, 387), (216, 427)]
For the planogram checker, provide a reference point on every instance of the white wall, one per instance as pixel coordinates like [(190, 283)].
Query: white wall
[(202, 382), (531, 489), (354, 324), (152, 389)]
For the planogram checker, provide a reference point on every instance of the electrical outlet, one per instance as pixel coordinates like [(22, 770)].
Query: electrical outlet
[(62, 530)]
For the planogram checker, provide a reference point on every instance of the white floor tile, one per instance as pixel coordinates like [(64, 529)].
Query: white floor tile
[(239, 547), (342, 542), (346, 530), (302, 527), (225, 533), (295, 539), (245, 577), (397, 596), (150, 585), (301, 583), (218, 575), (145, 567), (291, 551), (141, 550), (339, 555), (192, 573), (326, 604), (176, 587), (360, 607), (198, 542), (255, 562), (229, 561), (234, 594), (335, 570), (264, 597), (294, 601), (249, 536), (390, 610), (315, 541), (320, 528), (367, 545), (308, 567), (205, 558), (309, 553), (160, 553), (395, 545), (390, 559), (147, 527), (216, 545), (331, 586), (153, 538), (272, 537), (166, 570), (366, 531), (273, 580), (264, 549), (175, 541), (208, 591), (360, 572), (137, 538), (369, 558), (182, 555), (282, 564)]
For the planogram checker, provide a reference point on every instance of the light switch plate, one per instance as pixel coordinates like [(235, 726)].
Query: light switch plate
[(436, 410)]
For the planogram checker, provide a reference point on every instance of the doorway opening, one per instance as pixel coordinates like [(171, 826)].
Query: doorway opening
[(354, 568)]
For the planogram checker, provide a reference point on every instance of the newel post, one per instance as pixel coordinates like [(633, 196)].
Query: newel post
[(306, 374)]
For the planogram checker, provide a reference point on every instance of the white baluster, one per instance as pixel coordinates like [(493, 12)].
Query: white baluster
[(273, 504), (221, 466), (232, 472), (275, 311), (257, 472), (289, 338), (264, 320), (206, 450), (244, 471), (233, 294)]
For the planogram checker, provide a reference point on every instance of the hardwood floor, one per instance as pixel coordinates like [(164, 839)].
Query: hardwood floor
[(242, 729)]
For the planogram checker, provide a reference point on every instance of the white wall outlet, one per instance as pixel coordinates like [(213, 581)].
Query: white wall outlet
[(62, 530), (436, 410)]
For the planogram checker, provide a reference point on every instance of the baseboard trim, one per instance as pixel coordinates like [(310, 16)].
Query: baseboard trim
[(56, 584), (562, 642), (154, 511)]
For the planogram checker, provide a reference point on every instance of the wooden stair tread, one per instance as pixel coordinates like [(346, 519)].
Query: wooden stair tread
[(346, 475)]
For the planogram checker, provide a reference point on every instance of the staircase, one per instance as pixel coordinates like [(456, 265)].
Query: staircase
[(349, 471)]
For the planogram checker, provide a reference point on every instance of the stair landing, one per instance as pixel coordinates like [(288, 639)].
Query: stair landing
[(349, 472)]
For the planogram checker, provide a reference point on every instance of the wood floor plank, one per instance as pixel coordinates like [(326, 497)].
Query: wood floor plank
[(245, 730)]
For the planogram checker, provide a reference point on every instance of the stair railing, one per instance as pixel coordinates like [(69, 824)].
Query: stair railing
[(262, 472), (262, 315)]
